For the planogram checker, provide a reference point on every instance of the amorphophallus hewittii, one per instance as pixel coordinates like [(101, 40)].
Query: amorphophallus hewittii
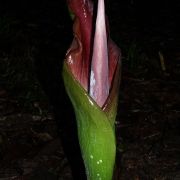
[(91, 76)]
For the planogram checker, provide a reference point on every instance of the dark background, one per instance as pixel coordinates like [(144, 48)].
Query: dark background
[(37, 124)]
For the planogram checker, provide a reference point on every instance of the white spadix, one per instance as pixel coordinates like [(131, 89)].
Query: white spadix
[(99, 82)]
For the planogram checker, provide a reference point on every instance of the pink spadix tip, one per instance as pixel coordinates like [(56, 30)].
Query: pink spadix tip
[(99, 83)]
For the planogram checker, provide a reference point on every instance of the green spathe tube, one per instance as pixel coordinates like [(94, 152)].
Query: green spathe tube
[(95, 127)]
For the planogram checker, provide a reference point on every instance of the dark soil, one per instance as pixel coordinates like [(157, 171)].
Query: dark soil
[(148, 120)]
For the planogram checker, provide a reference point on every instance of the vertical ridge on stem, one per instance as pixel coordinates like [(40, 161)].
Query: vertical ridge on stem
[(99, 83)]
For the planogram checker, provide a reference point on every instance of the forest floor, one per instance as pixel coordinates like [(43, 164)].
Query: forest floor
[(148, 120)]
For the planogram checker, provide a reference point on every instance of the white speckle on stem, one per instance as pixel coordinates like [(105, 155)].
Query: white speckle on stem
[(99, 162)]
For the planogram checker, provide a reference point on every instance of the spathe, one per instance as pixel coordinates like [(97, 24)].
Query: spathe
[(95, 121)]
